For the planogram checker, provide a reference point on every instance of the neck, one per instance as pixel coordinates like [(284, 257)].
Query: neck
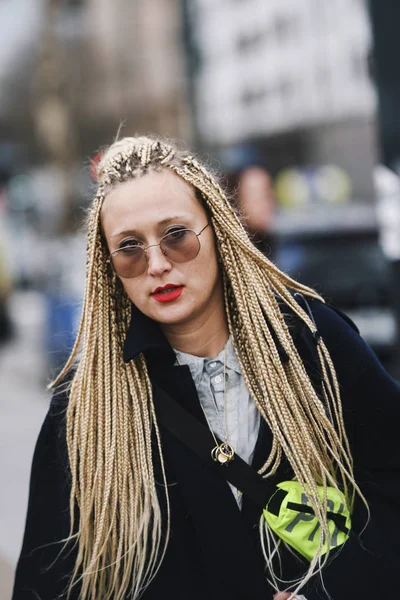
[(205, 336)]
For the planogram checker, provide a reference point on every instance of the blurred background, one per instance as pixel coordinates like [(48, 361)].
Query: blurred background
[(295, 102)]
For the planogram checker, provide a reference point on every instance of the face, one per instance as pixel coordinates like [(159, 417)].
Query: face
[(256, 199), (141, 211)]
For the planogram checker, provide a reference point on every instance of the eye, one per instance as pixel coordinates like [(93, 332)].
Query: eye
[(129, 248), (177, 233), (129, 244)]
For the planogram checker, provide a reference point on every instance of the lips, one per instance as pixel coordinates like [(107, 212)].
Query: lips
[(168, 293), (166, 288)]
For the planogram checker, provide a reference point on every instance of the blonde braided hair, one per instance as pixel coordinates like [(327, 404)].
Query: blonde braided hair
[(122, 535)]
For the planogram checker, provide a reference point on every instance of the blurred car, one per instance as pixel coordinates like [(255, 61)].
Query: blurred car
[(351, 272)]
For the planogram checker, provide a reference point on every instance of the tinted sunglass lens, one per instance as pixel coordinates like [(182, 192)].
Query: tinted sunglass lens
[(181, 246), (130, 265)]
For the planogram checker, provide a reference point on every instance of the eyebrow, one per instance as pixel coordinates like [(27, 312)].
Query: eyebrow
[(160, 223)]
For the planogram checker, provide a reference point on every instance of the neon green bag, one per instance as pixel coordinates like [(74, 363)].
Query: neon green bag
[(290, 515)]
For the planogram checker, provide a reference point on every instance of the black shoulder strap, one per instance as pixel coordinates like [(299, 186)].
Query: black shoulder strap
[(198, 438)]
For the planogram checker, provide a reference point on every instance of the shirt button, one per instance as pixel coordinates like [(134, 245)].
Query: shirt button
[(213, 364), (218, 379)]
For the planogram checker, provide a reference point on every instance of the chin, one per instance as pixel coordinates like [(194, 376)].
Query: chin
[(173, 314), (171, 317)]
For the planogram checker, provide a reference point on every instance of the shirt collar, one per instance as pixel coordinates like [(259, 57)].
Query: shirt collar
[(231, 359), (197, 363)]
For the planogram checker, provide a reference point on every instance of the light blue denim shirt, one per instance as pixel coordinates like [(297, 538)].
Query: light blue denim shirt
[(243, 418)]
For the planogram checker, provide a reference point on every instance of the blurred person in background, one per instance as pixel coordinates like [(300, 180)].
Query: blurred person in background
[(256, 200), (218, 431), (253, 194)]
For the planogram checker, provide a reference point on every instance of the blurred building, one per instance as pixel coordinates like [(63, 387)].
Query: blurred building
[(131, 68), (292, 72), (78, 71), (108, 62), (279, 65), (138, 66)]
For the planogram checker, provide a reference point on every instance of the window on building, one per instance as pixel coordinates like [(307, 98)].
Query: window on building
[(284, 27), (248, 41), (250, 98)]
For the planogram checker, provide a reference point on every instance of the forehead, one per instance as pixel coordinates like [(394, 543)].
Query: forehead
[(149, 198), (255, 178)]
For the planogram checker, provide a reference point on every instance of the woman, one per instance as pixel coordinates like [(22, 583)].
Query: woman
[(182, 311)]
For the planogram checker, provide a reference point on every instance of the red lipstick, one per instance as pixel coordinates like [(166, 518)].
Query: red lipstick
[(168, 293)]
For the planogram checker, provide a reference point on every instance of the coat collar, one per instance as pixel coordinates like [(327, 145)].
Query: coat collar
[(146, 336)]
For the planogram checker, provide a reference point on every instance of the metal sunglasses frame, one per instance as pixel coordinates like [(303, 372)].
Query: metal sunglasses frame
[(114, 252)]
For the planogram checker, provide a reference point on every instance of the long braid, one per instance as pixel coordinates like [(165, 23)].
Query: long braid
[(111, 422)]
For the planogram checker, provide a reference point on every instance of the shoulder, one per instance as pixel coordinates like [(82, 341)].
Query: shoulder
[(332, 324), (59, 401), (350, 354), (51, 444), (332, 320)]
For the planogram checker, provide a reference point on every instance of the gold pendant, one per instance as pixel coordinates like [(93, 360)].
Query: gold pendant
[(223, 453)]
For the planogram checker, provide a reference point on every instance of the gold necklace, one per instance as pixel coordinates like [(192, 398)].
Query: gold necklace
[(222, 453)]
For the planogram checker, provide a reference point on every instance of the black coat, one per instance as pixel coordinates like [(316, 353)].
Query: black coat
[(214, 550)]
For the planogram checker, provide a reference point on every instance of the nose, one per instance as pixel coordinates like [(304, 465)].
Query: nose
[(157, 262)]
